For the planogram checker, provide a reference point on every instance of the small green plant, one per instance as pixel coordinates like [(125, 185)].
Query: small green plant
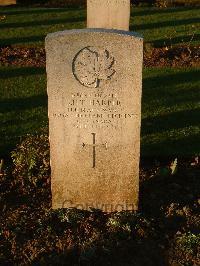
[(31, 160), (72, 216), (168, 170), (189, 242), (117, 224), (148, 49), (129, 223), (173, 166), (185, 249)]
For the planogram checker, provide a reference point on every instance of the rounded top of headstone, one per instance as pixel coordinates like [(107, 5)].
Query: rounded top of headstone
[(97, 30)]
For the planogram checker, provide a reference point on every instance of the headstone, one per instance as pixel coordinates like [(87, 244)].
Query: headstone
[(94, 104), (7, 2), (108, 14)]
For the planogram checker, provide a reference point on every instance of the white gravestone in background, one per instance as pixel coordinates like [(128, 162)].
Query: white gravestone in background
[(108, 14), (7, 2)]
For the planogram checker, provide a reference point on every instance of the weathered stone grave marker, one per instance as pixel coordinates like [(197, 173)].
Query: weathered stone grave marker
[(108, 14), (94, 93)]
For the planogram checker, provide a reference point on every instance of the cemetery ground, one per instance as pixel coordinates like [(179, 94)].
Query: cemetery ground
[(165, 230)]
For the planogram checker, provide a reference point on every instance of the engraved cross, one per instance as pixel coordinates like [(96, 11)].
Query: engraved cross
[(94, 145)]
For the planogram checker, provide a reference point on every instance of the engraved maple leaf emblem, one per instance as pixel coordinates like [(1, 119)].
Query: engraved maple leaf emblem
[(92, 65)]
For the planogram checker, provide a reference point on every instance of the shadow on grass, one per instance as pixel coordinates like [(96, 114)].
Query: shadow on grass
[(20, 104), (17, 40), (159, 81), (37, 11), (161, 24), (6, 73), (176, 120), (21, 116), (42, 22), (170, 40), (185, 146), (22, 121), (172, 98), (162, 96), (154, 11)]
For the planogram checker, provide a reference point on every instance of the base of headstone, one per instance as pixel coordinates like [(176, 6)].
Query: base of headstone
[(94, 81)]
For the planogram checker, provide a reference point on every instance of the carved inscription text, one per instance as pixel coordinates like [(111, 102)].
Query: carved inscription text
[(95, 110)]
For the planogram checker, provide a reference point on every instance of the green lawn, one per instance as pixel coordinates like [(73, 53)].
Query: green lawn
[(23, 104), (171, 97), (29, 26), (170, 109), (171, 112)]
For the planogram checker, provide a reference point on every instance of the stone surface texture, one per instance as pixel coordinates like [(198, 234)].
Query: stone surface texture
[(7, 2), (108, 14), (94, 81)]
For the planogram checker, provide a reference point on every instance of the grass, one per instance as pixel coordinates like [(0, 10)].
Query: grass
[(168, 26), (29, 26), (23, 104), (170, 109)]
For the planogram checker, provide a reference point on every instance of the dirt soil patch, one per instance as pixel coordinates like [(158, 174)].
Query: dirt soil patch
[(153, 57), (172, 57), (165, 231), (33, 57)]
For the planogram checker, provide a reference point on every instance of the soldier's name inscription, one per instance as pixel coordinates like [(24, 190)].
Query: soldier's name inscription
[(95, 110)]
